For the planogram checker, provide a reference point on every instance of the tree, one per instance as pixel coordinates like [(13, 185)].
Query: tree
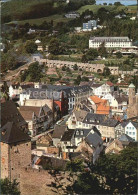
[(117, 4), (63, 68), (106, 72), (119, 171), (78, 80), (84, 59), (75, 166), (85, 78), (33, 73), (75, 67), (54, 46), (87, 183), (102, 50), (118, 54), (30, 47), (91, 54), (8, 187)]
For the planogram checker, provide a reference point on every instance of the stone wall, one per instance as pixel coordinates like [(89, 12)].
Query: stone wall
[(13, 157), (20, 156), (4, 160)]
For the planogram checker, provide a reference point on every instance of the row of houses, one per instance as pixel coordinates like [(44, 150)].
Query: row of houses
[(81, 134), (110, 128)]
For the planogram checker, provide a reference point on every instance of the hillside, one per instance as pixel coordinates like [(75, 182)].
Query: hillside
[(94, 8), (25, 11)]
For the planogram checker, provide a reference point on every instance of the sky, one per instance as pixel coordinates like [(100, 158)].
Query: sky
[(124, 2)]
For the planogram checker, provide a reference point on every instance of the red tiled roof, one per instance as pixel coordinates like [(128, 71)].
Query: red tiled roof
[(102, 109), (109, 83), (97, 100)]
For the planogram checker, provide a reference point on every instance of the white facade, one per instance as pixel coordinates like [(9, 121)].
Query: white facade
[(102, 90), (110, 42), (71, 103), (23, 97), (131, 131), (108, 97), (14, 91), (73, 123)]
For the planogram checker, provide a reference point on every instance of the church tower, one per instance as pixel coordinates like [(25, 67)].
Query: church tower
[(131, 94)]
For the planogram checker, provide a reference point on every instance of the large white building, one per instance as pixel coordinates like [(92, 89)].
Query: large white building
[(110, 42)]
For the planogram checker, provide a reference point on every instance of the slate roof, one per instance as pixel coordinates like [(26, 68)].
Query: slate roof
[(125, 123), (96, 85), (85, 132), (94, 139), (121, 99), (80, 135), (50, 91), (126, 138), (59, 131), (67, 136), (110, 39), (10, 113), (10, 133), (110, 123), (135, 124), (92, 118)]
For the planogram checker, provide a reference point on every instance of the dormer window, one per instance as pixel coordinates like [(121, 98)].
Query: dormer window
[(77, 132), (81, 132), (3, 132)]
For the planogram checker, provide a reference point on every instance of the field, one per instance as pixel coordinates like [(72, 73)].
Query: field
[(94, 8), (56, 18)]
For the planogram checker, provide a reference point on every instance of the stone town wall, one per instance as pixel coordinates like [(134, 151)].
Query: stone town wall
[(4, 160), (20, 156), (98, 68)]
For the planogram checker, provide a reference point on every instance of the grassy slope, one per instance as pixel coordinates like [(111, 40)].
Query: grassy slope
[(19, 6), (94, 8), (56, 18)]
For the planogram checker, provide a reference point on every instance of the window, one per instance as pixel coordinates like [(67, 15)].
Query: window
[(81, 132), (133, 133), (127, 132), (77, 132)]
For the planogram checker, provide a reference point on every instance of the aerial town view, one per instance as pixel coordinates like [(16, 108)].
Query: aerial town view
[(69, 97)]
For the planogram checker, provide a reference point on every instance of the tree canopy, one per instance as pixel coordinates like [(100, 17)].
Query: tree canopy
[(8, 187)]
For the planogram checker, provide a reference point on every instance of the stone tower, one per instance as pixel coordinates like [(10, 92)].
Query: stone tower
[(131, 94), (132, 110)]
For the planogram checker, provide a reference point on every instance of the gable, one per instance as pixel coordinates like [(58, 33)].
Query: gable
[(130, 125)]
